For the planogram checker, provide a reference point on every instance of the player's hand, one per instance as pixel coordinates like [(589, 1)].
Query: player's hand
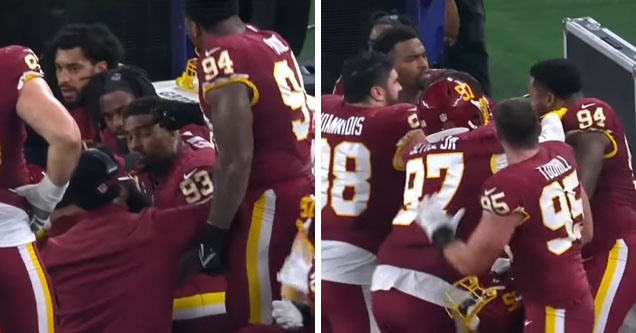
[(40, 221), (212, 249), (431, 216), (43, 196), (287, 315), (500, 266)]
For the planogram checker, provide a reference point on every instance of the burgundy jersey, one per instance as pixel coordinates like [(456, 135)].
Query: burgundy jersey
[(613, 202), (547, 267), (88, 128), (114, 270), (17, 65), (190, 180), (455, 167), (359, 176), (264, 62)]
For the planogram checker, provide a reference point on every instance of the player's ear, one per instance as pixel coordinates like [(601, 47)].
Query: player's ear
[(551, 99), (377, 93), (101, 67), (194, 31)]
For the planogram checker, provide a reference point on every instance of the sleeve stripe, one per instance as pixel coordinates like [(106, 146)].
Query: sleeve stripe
[(26, 77), (233, 79), (403, 143), (607, 133)]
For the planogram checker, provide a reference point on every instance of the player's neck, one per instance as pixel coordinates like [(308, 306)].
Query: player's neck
[(569, 102), (160, 173), (516, 155), (230, 26)]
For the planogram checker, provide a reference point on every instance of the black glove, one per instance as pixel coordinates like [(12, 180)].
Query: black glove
[(212, 249)]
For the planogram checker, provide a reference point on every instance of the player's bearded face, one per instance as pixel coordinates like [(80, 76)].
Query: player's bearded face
[(392, 89), (154, 145), (409, 59), (112, 105), (73, 71)]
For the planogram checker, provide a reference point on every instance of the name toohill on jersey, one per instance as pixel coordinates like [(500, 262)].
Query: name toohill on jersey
[(190, 181), (359, 179), (455, 167), (613, 202), (263, 61), (547, 266), (17, 65)]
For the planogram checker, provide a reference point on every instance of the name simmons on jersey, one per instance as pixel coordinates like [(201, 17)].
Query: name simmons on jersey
[(339, 126)]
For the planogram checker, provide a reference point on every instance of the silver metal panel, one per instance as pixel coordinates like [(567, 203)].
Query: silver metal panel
[(583, 27)]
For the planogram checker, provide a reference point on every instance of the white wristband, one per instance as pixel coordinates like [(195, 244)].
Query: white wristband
[(50, 193)]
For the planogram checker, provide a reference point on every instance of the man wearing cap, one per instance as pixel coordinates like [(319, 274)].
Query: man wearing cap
[(114, 270)]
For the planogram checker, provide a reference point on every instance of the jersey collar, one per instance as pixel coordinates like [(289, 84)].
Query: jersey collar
[(432, 138)]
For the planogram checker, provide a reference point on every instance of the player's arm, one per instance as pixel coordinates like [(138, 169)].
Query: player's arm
[(412, 137), (588, 225), (410, 140), (43, 112), (232, 120), (589, 148), (178, 229), (485, 244), (451, 22)]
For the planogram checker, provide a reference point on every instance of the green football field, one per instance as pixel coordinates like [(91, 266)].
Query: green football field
[(521, 32)]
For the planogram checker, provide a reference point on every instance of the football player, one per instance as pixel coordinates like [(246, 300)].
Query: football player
[(536, 205), (363, 137), (108, 93), (404, 46), (595, 132), (81, 51), (408, 294), (25, 98), (379, 22), (180, 170), (114, 271), (250, 84)]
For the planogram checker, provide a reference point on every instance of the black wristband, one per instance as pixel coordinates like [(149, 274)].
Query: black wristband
[(305, 311), (442, 236)]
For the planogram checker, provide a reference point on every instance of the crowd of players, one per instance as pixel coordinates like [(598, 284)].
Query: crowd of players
[(103, 208), (442, 212)]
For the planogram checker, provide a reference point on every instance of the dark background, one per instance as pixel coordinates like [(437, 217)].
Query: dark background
[(343, 26), (145, 27)]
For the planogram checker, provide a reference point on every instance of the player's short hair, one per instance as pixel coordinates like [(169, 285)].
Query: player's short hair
[(363, 71), (517, 123), (207, 13), (390, 37), (169, 114), (383, 17), (559, 76), (97, 41)]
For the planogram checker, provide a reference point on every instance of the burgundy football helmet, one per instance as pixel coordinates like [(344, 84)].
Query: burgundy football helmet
[(450, 102)]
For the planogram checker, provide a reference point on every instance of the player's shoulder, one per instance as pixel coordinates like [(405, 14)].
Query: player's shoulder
[(15, 60), (199, 153), (328, 102), (588, 114), (557, 147), (14, 51), (252, 41)]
